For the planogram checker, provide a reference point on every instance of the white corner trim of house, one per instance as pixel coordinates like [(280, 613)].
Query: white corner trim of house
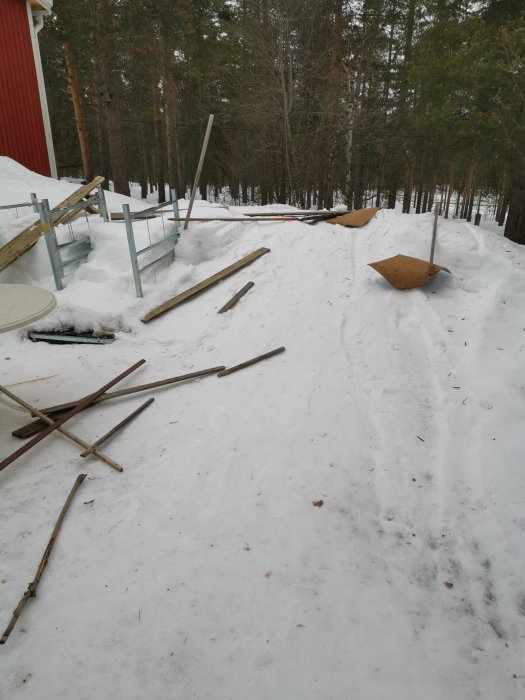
[(36, 11)]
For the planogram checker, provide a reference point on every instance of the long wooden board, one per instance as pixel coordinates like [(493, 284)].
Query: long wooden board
[(205, 284), (27, 238)]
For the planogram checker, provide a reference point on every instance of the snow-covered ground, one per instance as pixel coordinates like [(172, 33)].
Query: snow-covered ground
[(204, 570)]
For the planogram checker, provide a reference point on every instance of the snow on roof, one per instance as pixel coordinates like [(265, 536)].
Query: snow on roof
[(41, 5)]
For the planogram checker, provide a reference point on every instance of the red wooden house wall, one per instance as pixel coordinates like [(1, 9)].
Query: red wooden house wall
[(22, 135)]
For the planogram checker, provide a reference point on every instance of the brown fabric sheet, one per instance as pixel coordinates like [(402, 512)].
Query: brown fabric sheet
[(355, 219), (405, 272)]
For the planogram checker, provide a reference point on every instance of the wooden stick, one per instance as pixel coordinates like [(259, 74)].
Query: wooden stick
[(250, 362), (199, 169), (34, 411), (235, 298), (208, 282), (87, 401), (54, 411), (32, 587), (117, 428)]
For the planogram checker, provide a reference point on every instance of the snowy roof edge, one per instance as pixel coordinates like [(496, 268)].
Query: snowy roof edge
[(41, 5)]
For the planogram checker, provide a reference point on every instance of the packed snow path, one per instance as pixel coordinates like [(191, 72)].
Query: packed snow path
[(205, 570)]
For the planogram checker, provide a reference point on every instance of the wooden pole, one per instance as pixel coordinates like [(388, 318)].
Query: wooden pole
[(53, 411), (235, 298), (87, 401), (114, 430), (230, 370), (199, 169), (32, 587), (34, 411)]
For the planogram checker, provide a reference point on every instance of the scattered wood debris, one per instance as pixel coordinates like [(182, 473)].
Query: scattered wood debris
[(235, 298), (47, 421), (55, 411), (205, 284), (230, 370), (87, 401), (32, 587)]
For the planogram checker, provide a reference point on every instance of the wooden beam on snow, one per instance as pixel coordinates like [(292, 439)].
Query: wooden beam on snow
[(230, 370), (32, 587), (205, 284), (235, 298)]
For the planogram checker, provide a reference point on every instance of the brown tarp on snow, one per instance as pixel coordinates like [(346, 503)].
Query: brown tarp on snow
[(405, 272), (355, 219)]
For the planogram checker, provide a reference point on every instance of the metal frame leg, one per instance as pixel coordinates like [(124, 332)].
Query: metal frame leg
[(132, 250), (51, 242)]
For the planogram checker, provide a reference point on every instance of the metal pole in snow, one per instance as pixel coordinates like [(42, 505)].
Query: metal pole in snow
[(434, 234), (199, 168)]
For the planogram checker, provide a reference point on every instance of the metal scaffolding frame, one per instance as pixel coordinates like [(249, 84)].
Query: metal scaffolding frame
[(143, 215)]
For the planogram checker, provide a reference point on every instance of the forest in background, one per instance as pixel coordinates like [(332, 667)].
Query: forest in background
[(370, 103)]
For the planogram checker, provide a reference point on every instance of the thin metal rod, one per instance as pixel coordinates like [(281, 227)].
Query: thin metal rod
[(36, 426), (114, 430), (434, 234), (199, 169), (230, 370), (87, 401), (32, 587), (74, 438), (318, 212), (233, 218)]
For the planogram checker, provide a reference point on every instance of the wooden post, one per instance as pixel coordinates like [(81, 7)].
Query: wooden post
[(32, 588), (199, 168)]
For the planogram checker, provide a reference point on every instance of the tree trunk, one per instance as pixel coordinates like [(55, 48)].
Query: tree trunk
[(78, 108), (159, 142), (515, 228)]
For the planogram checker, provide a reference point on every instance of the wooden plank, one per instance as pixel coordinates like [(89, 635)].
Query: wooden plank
[(235, 298), (54, 411), (32, 587), (205, 284), (136, 216), (87, 401), (27, 238), (230, 370)]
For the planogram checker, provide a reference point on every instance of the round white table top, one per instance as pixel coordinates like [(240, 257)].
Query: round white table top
[(20, 304)]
